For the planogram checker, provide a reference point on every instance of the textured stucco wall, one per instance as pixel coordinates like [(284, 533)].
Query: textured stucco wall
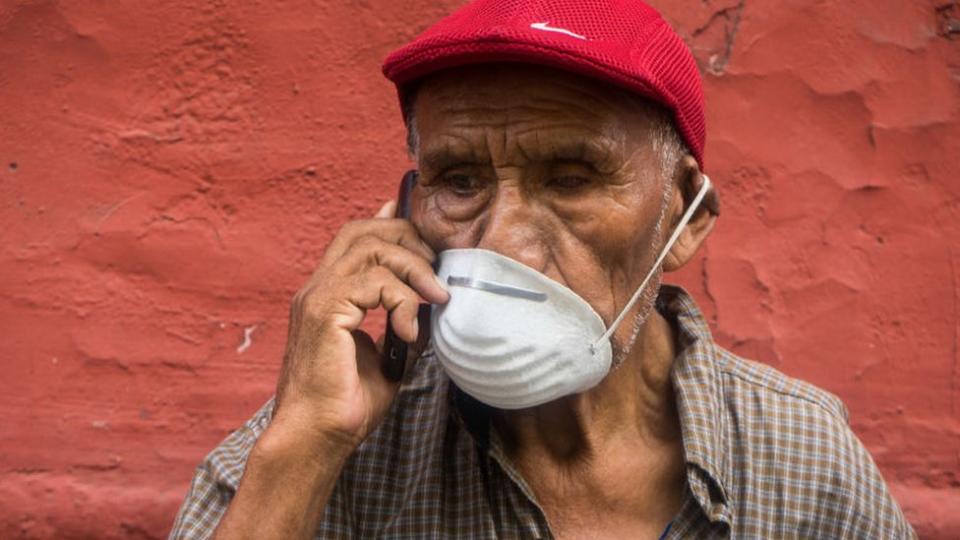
[(170, 172)]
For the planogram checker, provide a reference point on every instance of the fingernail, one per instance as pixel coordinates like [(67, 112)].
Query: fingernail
[(416, 330), (386, 210), (441, 283)]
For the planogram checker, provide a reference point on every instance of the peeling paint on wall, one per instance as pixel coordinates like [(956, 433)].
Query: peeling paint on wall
[(170, 173)]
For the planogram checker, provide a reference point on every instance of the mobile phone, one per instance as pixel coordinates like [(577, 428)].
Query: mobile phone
[(394, 348)]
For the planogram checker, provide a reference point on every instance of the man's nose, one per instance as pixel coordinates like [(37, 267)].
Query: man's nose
[(513, 228)]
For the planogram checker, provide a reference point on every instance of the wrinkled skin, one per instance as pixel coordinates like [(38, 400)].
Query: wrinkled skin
[(557, 172), (548, 169)]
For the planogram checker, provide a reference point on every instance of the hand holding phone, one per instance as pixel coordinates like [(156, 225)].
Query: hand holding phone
[(332, 391), (335, 385)]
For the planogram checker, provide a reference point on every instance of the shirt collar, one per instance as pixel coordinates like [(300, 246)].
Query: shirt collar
[(698, 388)]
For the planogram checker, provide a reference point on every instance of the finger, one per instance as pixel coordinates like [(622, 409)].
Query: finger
[(381, 287), (388, 210), (369, 369), (364, 344), (423, 317), (410, 267), (415, 350), (394, 231)]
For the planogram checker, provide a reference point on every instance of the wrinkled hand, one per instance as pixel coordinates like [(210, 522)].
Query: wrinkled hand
[(331, 387)]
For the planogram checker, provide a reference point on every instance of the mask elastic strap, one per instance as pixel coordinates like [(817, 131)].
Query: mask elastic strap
[(687, 216)]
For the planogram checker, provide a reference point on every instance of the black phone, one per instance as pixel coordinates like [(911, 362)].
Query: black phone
[(394, 348)]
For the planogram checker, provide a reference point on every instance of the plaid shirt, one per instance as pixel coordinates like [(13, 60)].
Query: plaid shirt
[(767, 457)]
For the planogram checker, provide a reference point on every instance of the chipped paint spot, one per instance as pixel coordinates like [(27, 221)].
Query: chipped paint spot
[(247, 339)]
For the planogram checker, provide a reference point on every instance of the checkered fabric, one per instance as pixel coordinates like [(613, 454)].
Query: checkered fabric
[(767, 457)]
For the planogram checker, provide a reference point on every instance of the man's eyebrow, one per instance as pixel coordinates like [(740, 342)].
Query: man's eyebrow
[(600, 151), (444, 155), (597, 150)]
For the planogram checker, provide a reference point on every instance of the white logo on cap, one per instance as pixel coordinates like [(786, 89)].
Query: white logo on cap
[(545, 26)]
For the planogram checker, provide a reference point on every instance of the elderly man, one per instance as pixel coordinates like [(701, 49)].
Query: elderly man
[(557, 389)]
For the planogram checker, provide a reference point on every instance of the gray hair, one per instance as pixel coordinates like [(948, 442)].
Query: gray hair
[(668, 147), (410, 120)]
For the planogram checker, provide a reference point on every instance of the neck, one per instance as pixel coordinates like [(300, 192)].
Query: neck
[(634, 405), (612, 455)]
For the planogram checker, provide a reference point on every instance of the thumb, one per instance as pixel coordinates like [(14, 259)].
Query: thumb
[(369, 357)]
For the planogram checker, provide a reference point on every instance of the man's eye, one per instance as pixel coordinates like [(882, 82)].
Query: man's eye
[(462, 184), (568, 182)]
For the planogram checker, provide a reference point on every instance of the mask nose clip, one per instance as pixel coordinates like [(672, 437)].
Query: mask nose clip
[(496, 288)]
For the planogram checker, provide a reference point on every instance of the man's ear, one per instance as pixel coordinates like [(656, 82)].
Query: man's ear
[(687, 182)]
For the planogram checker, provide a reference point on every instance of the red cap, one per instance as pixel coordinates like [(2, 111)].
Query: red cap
[(624, 42)]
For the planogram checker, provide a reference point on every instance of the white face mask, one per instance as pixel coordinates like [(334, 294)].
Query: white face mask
[(513, 338)]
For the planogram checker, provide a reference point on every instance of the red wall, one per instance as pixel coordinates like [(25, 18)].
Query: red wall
[(170, 172)]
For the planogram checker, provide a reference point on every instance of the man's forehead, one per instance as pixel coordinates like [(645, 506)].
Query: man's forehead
[(549, 113), (521, 89)]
